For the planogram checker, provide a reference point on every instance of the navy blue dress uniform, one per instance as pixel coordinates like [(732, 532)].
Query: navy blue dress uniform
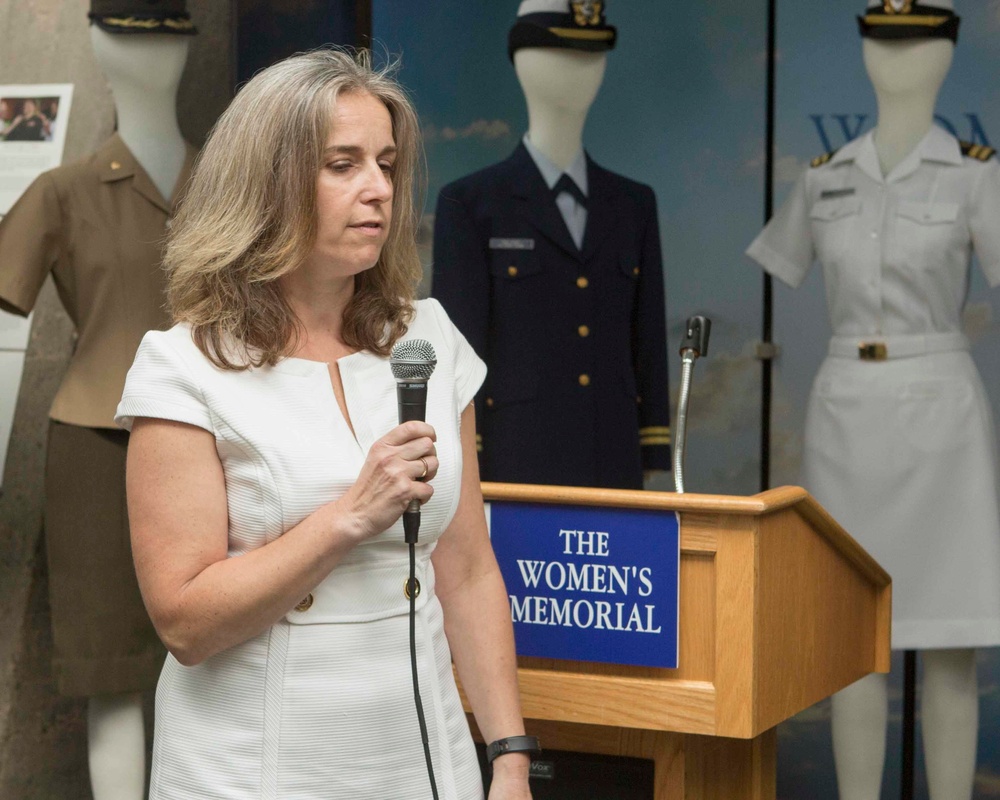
[(574, 337)]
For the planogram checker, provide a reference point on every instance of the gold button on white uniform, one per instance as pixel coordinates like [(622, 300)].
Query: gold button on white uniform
[(305, 603)]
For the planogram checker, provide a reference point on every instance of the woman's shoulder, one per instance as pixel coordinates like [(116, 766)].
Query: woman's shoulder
[(178, 338), (431, 322), (175, 346), (428, 314)]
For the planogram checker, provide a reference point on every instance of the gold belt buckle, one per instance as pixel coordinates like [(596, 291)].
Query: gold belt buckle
[(872, 351)]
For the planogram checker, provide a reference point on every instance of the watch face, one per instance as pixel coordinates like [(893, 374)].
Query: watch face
[(898, 6)]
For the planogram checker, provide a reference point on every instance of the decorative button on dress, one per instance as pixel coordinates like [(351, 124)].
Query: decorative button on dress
[(321, 704), (902, 451)]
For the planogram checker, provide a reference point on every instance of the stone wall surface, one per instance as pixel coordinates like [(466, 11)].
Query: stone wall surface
[(42, 735)]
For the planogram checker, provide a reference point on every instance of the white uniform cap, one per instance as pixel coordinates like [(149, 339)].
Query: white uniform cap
[(543, 7), (575, 24), (909, 19), (899, 5)]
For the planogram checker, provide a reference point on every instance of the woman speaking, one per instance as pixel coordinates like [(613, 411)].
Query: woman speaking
[(267, 473)]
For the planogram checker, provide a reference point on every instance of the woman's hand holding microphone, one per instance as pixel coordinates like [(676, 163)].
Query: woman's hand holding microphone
[(398, 469)]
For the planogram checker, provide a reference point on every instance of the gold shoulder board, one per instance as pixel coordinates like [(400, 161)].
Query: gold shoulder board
[(980, 152), (819, 161)]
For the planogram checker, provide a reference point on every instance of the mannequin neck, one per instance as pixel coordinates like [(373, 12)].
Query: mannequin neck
[(559, 87), (144, 72), (147, 123), (903, 121), (556, 132), (907, 76)]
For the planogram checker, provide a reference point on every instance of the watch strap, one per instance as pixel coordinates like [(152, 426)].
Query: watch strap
[(513, 744)]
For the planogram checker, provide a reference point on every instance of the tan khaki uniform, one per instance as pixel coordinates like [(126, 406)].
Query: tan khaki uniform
[(98, 226)]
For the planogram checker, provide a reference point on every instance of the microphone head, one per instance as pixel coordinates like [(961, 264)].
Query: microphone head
[(412, 360)]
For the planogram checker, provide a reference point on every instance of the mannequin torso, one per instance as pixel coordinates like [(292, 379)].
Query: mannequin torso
[(144, 73), (856, 222), (517, 299)]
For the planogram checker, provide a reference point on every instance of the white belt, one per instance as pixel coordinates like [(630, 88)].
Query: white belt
[(882, 348)]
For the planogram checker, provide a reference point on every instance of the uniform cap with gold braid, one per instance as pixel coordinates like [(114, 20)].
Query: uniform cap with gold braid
[(909, 19), (575, 24), (142, 16)]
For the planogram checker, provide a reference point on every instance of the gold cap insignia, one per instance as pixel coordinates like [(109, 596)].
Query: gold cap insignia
[(586, 12)]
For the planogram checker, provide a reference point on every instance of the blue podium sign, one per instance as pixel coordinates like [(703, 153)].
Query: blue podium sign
[(590, 584)]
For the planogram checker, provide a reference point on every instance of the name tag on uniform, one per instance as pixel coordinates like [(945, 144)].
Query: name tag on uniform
[(512, 244), (830, 194)]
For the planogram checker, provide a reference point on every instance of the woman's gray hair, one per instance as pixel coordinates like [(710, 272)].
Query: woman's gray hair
[(249, 213)]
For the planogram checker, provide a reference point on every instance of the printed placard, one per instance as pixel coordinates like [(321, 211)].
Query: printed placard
[(590, 584)]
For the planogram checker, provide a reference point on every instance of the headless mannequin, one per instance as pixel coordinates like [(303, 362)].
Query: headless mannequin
[(907, 76), (144, 72), (559, 86)]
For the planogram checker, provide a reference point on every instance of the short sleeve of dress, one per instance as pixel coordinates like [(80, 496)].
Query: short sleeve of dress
[(469, 369), (160, 385), (30, 244), (984, 213), (785, 247)]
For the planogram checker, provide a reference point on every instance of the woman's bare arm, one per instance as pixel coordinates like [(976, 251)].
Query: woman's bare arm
[(202, 602), (477, 621)]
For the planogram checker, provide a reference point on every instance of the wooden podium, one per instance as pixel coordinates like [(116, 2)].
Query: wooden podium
[(779, 608)]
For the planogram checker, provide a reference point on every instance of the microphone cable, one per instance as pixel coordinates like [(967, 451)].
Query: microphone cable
[(411, 591)]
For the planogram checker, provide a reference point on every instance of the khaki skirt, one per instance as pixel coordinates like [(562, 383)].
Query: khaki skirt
[(104, 642)]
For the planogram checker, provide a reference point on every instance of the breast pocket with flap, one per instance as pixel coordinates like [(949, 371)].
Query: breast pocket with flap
[(834, 226)]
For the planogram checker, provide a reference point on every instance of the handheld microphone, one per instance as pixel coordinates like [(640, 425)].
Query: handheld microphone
[(412, 363)]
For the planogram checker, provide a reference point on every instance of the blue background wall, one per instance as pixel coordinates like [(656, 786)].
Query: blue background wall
[(682, 109)]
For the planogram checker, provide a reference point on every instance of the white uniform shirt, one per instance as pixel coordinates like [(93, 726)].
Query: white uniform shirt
[(895, 251)]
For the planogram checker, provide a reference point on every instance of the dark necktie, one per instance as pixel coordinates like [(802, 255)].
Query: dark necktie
[(567, 184)]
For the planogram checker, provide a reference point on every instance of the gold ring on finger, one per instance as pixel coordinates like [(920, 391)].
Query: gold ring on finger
[(424, 473)]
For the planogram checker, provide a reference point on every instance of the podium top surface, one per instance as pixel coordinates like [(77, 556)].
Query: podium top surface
[(754, 505)]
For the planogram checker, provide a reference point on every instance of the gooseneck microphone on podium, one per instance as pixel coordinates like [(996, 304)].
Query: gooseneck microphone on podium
[(412, 362), (695, 344)]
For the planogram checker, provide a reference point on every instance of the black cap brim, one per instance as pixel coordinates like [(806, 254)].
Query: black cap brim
[(133, 23), (529, 34), (890, 26)]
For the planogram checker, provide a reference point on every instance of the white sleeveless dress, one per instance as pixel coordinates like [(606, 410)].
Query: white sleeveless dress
[(321, 704)]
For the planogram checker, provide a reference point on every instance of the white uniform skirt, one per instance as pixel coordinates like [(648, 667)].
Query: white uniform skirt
[(903, 454)]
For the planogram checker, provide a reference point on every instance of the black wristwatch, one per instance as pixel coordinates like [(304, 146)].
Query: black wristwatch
[(513, 744)]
